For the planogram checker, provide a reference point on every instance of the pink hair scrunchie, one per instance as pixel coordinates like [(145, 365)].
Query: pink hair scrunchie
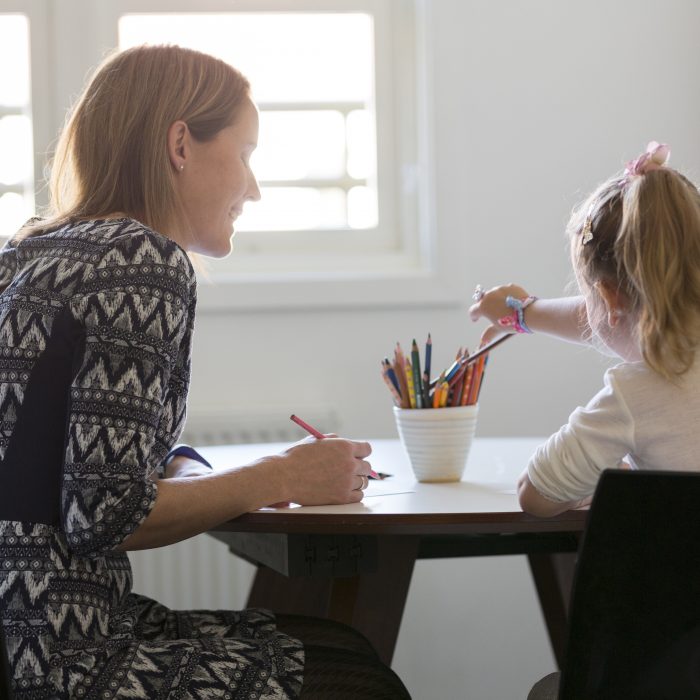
[(654, 158)]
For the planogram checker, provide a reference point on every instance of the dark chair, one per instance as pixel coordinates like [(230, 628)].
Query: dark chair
[(634, 626), (5, 684)]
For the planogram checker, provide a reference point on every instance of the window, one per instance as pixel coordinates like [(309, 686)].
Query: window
[(343, 162), (313, 80), (16, 164)]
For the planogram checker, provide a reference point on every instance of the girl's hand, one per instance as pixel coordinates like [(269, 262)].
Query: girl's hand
[(492, 306), (324, 472)]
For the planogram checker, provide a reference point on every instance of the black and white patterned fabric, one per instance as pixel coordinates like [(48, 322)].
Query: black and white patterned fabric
[(96, 323)]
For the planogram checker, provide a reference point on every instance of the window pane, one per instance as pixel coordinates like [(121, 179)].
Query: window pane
[(295, 208), (16, 149), (313, 57), (14, 57), (362, 207), (303, 144), (15, 210), (360, 142), (16, 142), (312, 74)]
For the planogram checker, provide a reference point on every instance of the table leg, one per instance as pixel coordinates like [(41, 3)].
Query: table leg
[(553, 574), (372, 603)]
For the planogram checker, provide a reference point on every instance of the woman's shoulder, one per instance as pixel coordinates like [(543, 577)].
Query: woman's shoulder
[(117, 243), (128, 241)]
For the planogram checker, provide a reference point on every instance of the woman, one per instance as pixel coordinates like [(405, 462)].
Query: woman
[(96, 320)]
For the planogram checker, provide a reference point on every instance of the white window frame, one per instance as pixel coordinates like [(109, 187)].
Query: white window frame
[(408, 266)]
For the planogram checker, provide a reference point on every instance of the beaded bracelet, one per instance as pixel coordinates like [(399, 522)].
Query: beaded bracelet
[(516, 320)]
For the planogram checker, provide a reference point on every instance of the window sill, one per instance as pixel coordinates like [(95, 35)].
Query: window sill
[(323, 290)]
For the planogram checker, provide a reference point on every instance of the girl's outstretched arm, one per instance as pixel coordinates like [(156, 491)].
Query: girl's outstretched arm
[(564, 318)]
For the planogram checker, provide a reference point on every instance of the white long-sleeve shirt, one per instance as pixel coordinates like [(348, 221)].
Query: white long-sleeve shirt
[(638, 416)]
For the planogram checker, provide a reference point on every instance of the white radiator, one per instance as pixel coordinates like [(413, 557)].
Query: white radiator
[(201, 572)]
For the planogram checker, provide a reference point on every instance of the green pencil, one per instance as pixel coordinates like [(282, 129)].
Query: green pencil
[(417, 379)]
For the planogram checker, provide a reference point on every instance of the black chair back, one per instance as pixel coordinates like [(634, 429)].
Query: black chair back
[(634, 629)]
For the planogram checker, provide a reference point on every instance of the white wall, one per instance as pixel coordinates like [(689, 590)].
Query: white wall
[(535, 102)]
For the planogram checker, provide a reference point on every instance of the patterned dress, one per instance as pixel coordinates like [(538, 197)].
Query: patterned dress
[(96, 324)]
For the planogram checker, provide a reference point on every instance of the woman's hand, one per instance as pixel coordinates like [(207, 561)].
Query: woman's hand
[(324, 472), (311, 472)]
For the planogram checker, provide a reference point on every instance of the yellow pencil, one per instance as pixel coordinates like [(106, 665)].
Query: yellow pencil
[(444, 394), (437, 392), (409, 381)]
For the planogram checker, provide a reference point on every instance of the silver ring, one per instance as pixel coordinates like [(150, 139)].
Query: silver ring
[(364, 482), (478, 293)]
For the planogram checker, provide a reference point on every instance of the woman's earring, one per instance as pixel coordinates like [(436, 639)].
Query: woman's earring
[(182, 167)]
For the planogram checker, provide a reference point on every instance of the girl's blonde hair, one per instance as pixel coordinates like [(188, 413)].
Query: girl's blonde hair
[(112, 154), (640, 234)]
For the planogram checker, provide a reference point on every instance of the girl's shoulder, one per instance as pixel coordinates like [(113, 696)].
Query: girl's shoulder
[(638, 380)]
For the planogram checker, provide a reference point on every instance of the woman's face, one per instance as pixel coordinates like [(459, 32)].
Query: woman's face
[(216, 181)]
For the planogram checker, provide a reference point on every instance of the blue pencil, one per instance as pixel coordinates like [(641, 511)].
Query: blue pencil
[(392, 375)]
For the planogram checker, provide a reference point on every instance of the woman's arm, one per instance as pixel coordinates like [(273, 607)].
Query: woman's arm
[(312, 472), (564, 318)]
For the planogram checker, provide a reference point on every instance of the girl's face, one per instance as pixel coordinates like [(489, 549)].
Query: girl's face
[(216, 181)]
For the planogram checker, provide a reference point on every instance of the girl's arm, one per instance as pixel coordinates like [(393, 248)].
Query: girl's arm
[(312, 472), (564, 318), (534, 503)]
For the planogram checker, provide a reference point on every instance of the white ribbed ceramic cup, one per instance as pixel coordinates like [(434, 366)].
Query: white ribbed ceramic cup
[(437, 440)]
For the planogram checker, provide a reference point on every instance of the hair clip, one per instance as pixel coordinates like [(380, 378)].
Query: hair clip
[(586, 231)]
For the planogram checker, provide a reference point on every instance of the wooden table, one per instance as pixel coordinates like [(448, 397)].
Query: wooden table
[(354, 563)]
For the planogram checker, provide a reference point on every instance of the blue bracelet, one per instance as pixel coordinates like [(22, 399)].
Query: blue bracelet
[(185, 451), (519, 307)]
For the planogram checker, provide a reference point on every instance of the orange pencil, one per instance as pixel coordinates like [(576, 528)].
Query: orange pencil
[(400, 371), (474, 388), (468, 376), (438, 391)]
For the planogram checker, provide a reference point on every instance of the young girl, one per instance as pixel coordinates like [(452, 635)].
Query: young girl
[(635, 249)]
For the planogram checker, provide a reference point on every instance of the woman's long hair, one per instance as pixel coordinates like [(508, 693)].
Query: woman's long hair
[(112, 155)]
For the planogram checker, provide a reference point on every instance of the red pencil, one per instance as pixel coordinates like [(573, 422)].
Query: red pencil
[(307, 427)]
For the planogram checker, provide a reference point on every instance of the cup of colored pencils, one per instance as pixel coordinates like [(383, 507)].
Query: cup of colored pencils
[(437, 441)]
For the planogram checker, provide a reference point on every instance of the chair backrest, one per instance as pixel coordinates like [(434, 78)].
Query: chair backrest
[(635, 612)]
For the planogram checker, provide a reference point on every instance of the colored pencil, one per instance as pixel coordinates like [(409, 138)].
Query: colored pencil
[(426, 371), (417, 380), (400, 371), (307, 427), (392, 388), (458, 385), (409, 382), (392, 375), (466, 385)]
